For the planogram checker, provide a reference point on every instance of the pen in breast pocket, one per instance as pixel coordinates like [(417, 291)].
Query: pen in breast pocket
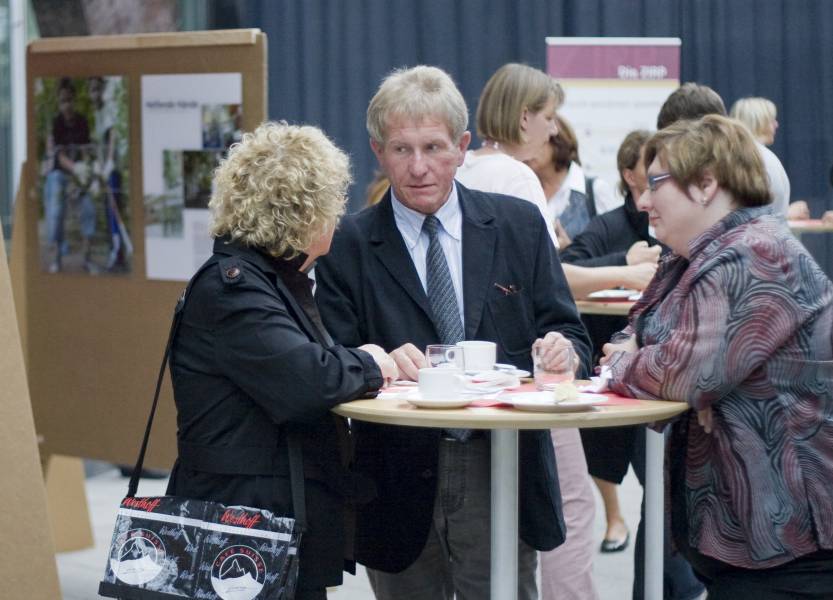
[(508, 289)]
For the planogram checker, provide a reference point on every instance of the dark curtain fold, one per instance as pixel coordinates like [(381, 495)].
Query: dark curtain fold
[(326, 58)]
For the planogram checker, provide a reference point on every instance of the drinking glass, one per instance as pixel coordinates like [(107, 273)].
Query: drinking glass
[(560, 371), (442, 355)]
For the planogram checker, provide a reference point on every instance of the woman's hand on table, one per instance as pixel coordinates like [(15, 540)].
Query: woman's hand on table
[(628, 345), (638, 276), (552, 351), (640, 252), (410, 360), (798, 211), (827, 218), (387, 365), (704, 417)]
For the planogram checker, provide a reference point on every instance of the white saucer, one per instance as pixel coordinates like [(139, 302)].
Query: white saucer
[(545, 402), (420, 402)]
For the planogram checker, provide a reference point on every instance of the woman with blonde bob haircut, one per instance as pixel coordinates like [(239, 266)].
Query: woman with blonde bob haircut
[(738, 324), (516, 117), (251, 362), (759, 115), (511, 97)]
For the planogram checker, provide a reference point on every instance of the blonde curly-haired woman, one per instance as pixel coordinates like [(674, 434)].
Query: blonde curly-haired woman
[(251, 360)]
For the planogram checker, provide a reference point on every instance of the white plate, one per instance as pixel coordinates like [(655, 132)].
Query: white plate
[(545, 402), (612, 295)]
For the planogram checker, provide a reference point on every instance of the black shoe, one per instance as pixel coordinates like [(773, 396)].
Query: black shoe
[(609, 546)]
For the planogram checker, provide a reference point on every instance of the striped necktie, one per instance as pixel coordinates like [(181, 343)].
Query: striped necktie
[(441, 295), (442, 299)]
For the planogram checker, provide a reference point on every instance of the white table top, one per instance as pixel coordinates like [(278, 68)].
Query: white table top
[(396, 411)]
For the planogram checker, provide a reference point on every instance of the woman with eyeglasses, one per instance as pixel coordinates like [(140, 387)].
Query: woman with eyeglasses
[(738, 323)]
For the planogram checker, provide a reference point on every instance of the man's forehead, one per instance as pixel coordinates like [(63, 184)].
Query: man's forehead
[(403, 125)]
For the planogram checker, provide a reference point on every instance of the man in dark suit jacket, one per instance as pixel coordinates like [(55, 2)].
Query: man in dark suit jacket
[(427, 533)]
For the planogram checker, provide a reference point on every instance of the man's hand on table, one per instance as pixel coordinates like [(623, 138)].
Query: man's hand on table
[(409, 359), (385, 361), (552, 351)]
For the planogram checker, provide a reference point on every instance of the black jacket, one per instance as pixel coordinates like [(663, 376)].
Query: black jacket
[(369, 292), (246, 363), (605, 242)]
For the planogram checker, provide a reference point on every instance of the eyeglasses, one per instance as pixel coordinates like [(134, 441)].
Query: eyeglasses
[(655, 180)]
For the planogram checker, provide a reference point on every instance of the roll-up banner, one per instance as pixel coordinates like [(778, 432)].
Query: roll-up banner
[(613, 86)]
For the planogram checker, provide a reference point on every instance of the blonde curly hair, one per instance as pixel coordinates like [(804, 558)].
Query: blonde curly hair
[(280, 188)]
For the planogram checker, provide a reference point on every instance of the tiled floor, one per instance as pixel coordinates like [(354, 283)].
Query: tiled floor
[(81, 571)]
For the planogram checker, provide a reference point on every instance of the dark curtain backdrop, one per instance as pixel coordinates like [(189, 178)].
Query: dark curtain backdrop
[(326, 58)]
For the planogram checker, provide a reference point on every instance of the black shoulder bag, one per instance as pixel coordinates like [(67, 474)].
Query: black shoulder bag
[(168, 547)]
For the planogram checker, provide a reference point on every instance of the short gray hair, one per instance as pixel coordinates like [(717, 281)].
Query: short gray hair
[(419, 92)]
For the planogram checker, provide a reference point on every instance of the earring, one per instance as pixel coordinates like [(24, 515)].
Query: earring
[(704, 201)]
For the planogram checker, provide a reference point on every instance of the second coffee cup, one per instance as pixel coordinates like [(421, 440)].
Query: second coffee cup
[(442, 384)]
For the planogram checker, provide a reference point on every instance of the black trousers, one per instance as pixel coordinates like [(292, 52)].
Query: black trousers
[(311, 594), (678, 579), (807, 577)]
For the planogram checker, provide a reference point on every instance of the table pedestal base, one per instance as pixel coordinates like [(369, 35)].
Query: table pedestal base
[(504, 557)]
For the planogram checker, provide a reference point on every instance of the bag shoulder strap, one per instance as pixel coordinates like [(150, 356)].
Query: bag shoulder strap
[(589, 196), (296, 464)]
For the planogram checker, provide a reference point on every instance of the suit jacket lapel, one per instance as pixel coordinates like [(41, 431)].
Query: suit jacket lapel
[(479, 235), (388, 246)]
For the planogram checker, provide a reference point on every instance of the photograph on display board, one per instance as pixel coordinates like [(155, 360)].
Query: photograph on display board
[(83, 175), (188, 123)]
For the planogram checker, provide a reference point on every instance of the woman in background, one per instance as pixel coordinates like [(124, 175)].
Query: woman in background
[(572, 197), (616, 238), (515, 120), (759, 115), (738, 323), (251, 361), (622, 237)]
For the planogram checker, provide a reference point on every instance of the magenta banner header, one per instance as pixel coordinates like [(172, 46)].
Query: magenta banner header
[(629, 59)]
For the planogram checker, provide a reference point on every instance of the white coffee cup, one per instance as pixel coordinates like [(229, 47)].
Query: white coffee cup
[(479, 356), (438, 384)]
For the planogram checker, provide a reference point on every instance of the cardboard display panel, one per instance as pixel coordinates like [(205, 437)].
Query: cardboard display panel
[(66, 500), (28, 564), (94, 343)]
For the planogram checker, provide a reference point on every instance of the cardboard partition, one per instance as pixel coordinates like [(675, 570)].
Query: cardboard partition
[(67, 504), (27, 568), (94, 342)]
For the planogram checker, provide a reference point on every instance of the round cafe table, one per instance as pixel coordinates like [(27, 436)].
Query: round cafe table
[(505, 424), (597, 307)]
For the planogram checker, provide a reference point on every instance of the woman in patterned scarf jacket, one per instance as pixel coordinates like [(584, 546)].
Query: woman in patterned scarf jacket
[(738, 323)]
